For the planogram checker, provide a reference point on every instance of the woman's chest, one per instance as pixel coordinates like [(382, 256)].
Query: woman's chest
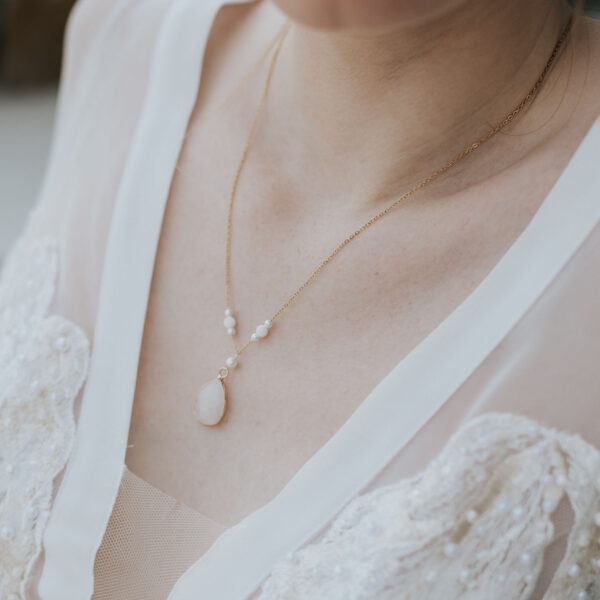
[(344, 332)]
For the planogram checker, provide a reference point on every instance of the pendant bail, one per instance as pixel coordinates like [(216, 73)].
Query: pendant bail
[(223, 372)]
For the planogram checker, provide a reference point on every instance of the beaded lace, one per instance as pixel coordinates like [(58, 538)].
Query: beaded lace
[(475, 524), (43, 363)]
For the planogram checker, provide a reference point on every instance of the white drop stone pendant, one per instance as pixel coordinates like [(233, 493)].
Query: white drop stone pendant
[(211, 402)]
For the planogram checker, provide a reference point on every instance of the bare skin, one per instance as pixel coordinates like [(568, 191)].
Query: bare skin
[(352, 119)]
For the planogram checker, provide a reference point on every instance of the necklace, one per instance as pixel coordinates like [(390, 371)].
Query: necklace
[(212, 400)]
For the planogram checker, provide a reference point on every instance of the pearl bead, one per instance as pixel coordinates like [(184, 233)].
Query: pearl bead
[(229, 322), (584, 539), (230, 330), (253, 337), (450, 549), (268, 324), (528, 578), (262, 331), (561, 480), (581, 595), (501, 577), (472, 515), (228, 312), (7, 533), (596, 563), (526, 558), (61, 344), (548, 506), (574, 570), (430, 577), (231, 361), (597, 519), (518, 512), (464, 575)]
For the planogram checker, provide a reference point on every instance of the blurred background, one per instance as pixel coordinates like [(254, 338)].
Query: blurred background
[(31, 35)]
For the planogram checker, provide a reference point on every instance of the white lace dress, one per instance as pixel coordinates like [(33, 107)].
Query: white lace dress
[(471, 471)]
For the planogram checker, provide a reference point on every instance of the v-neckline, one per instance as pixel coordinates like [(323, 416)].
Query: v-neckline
[(381, 424), (404, 401)]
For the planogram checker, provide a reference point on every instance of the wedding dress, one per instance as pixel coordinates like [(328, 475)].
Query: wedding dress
[(472, 470)]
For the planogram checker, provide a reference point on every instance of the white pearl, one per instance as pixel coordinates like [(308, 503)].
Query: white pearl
[(34, 386), (230, 330), (596, 563), (61, 344), (518, 512), (450, 549), (7, 533), (528, 578), (584, 539), (574, 570), (231, 361), (597, 519), (268, 324), (262, 331), (472, 515), (253, 337), (526, 558), (464, 575), (228, 312), (581, 595), (32, 511), (229, 322), (548, 506), (501, 577), (430, 577), (561, 480)]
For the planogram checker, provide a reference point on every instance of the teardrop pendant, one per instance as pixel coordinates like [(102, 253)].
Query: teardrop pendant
[(211, 402)]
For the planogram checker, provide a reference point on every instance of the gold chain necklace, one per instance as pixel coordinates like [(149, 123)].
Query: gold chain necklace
[(211, 403)]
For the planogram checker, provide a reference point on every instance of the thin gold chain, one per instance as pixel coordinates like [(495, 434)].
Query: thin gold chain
[(468, 150)]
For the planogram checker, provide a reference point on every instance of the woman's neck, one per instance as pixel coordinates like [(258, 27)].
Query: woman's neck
[(396, 104)]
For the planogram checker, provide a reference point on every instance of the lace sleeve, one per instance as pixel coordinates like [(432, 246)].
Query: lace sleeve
[(475, 524), (43, 363)]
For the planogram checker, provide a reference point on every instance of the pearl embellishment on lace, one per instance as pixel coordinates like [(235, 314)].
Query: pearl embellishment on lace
[(526, 558), (450, 549), (518, 512), (574, 570), (471, 515), (7, 533), (231, 362), (548, 506), (581, 595)]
